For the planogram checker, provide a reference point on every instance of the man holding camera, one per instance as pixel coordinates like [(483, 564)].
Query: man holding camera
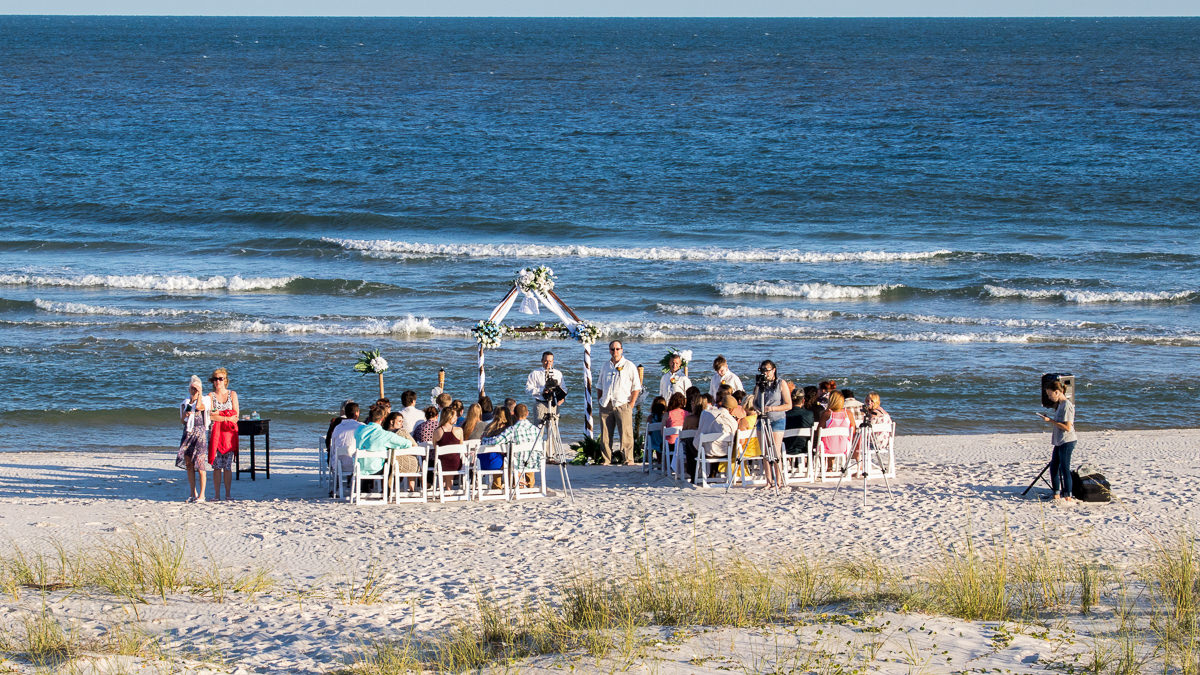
[(545, 385)]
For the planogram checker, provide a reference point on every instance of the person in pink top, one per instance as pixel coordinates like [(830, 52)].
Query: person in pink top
[(835, 416), (676, 412)]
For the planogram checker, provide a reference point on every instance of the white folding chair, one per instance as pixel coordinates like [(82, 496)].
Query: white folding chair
[(668, 452), (679, 451), (647, 454), (482, 478), (339, 474), (703, 460), (322, 461), (820, 455), (885, 451), (357, 477), (398, 478), (745, 462), (518, 473), (463, 492), (797, 465)]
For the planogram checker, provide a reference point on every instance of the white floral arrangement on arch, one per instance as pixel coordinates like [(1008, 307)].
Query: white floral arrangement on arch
[(488, 334), (585, 332), (539, 279), (371, 361), (684, 357)]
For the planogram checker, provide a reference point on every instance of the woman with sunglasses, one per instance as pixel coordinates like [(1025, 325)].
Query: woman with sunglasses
[(223, 443), (773, 398)]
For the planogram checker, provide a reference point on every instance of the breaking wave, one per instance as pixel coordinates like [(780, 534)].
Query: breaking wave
[(814, 291), (151, 282), (1083, 297)]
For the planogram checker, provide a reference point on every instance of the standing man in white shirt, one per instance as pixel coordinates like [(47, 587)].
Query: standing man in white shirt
[(617, 390), (675, 380), (723, 376), (535, 386)]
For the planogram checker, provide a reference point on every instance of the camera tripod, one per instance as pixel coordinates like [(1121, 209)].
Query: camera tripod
[(865, 445), (549, 438)]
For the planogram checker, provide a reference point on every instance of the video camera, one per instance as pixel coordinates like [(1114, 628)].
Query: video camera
[(553, 392)]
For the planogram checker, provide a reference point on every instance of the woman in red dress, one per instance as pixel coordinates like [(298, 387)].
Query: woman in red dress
[(223, 443)]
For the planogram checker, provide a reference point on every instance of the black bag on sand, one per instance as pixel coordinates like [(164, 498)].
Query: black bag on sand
[(1092, 486)]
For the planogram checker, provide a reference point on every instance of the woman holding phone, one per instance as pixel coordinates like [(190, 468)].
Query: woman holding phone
[(1062, 437)]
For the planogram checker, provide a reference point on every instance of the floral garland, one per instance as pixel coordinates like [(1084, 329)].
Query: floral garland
[(539, 279), (488, 333), (684, 357), (371, 361), (585, 332)]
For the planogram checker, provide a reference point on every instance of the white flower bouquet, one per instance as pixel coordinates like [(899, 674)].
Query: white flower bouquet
[(488, 334), (684, 357), (371, 362), (585, 332), (539, 279)]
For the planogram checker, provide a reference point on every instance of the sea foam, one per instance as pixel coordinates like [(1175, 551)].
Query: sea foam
[(390, 248), (150, 282), (1083, 297), (815, 291)]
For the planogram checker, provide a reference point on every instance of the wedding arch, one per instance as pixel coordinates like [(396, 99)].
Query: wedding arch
[(536, 285)]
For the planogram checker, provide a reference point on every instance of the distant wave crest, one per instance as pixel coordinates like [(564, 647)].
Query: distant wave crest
[(1083, 297), (815, 291), (408, 326), (81, 308), (390, 248), (151, 282)]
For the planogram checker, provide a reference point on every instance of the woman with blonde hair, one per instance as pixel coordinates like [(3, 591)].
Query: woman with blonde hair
[(473, 426), (834, 417), (223, 441), (193, 447)]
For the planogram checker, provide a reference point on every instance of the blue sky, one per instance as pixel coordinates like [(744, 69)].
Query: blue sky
[(609, 7)]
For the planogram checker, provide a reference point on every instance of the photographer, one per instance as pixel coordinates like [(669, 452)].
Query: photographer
[(545, 385), (1062, 437), (773, 398)]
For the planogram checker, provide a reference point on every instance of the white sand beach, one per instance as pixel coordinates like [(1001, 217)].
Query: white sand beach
[(434, 558)]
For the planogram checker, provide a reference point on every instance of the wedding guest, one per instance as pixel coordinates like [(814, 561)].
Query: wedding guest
[(372, 437), (879, 419), (676, 414), (773, 398), (723, 375), (700, 404), (674, 380), (443, 401), (473, 425), (493, 461), (448, 434), (193, 447), (223, 440), (487, 410), (720, 420), (460, 413), (1062, 440), (343, 447), (801, 416), (333, 425), (426, 431), (654, 439), (510, 406), (852, 406), (827, 387), (521, 433), (394, 422), (535, 387), (617, 390), (835, 416), (384, 404), (692, 393), (411, 413)]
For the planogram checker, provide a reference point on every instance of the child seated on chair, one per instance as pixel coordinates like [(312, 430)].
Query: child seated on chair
[(654, 439), (522, 432)]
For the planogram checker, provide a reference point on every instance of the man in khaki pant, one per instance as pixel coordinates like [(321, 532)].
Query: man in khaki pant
[(617, 390)]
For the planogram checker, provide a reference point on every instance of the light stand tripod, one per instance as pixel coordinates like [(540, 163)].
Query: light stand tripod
[(549, 439), (1039, 477), (864, 445)]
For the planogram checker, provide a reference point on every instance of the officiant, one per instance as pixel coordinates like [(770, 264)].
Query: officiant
[(545, 385)]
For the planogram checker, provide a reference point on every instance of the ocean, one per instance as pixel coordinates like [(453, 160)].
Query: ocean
[(938, 210)]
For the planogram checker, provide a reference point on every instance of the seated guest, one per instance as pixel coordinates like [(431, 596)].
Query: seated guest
[(342, 445), (801, 416), (394, 422), (852, 406), (443, 401), (826, 388), (510, 406), (835, 416), (879, 419), (493, 461), (676, 414), (385, 404), (372, 437), (426, 431), (412, 414), (473, 425), (741, 398), (700, 404), (521, 432), (459, 411), (720, 420), (333, 423), (748, 423), (658, 410), (487, 411), (448, 433)]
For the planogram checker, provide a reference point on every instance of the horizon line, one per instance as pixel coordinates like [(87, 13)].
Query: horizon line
[(601, 16)]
